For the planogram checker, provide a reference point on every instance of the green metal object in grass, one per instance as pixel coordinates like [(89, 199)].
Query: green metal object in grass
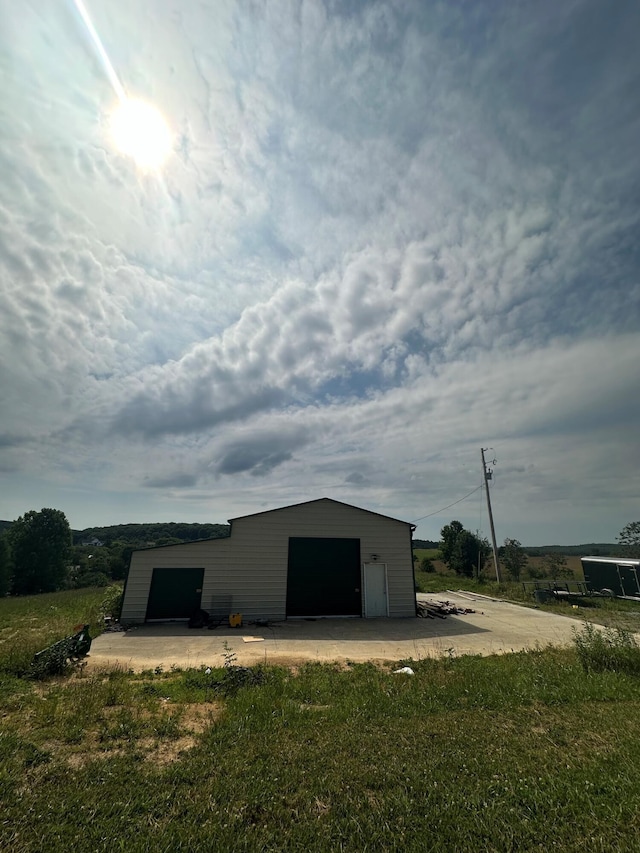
[(54, 659)]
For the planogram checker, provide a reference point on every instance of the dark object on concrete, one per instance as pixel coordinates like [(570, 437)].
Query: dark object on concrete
[(54, 659), (221, 607), (441, 609), (199, 619), (113, 628)]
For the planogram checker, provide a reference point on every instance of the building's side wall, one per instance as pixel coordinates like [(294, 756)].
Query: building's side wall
[(251, 566), (190, 555)]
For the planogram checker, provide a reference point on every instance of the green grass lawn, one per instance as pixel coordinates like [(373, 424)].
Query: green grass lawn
[(431, 553), (524, 751)]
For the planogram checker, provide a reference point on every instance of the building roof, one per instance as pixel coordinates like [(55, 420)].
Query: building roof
[(265, 512), (320, 500)]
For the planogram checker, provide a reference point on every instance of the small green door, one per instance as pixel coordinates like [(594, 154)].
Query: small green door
[(174, 593)]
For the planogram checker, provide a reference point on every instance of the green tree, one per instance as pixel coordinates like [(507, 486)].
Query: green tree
[(93, 563), (513, 557), (555, 566), (427, 566), (120, 556), (449, 537), (40, 544), (471, 554), (629, 538), (5, 566), (462, 551), (537, 572)]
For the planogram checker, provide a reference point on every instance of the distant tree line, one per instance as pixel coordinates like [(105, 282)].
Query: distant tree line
[(425, 544), (466, 553), (593, 549), (140, 535), (40, 553)]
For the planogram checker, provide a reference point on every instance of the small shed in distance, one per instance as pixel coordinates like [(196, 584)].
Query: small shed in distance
[(318, 558), (618, 574)]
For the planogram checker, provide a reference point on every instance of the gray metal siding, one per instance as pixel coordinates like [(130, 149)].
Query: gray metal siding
[(251, 565)]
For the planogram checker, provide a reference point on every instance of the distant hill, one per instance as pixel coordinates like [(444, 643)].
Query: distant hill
[(138, 534), (143, 534), (425, 543), (592, 549)]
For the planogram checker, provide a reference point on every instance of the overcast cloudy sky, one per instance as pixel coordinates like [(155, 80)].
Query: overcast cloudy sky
[(387, 234)]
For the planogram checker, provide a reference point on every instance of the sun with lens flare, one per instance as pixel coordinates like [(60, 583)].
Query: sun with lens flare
[(140, 131)]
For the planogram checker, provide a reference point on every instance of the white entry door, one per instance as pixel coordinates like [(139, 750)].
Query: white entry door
[(375, 589)]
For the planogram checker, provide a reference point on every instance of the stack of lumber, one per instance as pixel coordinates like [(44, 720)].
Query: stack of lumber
[(441, 609)]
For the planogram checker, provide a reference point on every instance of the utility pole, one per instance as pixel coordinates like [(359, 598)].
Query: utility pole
[(487, 476)]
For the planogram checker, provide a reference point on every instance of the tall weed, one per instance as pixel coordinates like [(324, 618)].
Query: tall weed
[(611, 649), (111, 604)]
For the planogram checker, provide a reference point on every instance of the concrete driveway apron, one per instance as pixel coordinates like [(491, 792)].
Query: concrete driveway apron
[(495, 627)]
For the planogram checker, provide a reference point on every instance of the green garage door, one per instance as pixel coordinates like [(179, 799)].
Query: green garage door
[(323, 577), (174, 593)]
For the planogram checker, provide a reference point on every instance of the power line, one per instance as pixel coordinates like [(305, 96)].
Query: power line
[(472, 492)]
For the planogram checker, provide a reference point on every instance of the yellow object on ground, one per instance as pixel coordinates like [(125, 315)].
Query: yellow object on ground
[(235, 620)]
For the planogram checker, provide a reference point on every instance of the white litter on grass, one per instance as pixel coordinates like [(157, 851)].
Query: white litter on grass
[(253, 639), (404, 670)]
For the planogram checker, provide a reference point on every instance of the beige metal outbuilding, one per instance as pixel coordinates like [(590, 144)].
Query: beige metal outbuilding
[(318, 558)]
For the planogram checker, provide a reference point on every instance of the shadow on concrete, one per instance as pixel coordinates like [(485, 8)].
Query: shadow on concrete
[(348, 630)]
